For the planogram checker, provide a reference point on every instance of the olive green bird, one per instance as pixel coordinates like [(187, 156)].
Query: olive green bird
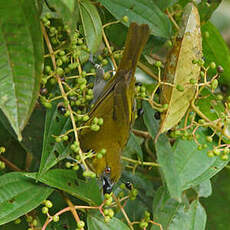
[(116, 106)]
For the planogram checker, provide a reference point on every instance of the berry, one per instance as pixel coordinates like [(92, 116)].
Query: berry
[(125, 19), (180, 88), (48, 204), (212, 65), (55, 218)]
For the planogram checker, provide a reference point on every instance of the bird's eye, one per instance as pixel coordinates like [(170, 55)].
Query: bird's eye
[(107, 170)]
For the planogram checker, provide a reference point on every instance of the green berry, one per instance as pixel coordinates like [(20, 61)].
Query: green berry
[(95, 127), (219, 97), (67, 113), (109, 201), (65, 138), (158, 64), (201, 121), (204, 146), (29, 219), (68, 165), (100, 121), (202, 74), (55, 218), (200, 147), (193, 81), (210, 153), (143, 224), (59, 62), (48, 204), (34, 222), (2, 165), (107, 219), (81, 224), (216, 151), (99, 155), (103, 151), (212, 65), (104, 62), (214, 84), (76, 167), (180, 88), (86, 173), (209, 139), (2, 149), (58, 139), (111, 213), (206, 34), (224, 157), (48, 105), (17, 221), (125, 19), (226, 150), (85, 118), (95, 120), (60, 71)]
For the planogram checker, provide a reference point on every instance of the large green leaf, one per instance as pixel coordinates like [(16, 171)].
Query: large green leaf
[(19, 195), (215, 49), (21, 49), (92, 25), (151, 123), (67, 181), (167, 165), (163, 4), (96, 222), (133, 146), (67, 10), (206, 9), (177, 216), (141, 11), (52, 152), (184, 166), (217, 205)]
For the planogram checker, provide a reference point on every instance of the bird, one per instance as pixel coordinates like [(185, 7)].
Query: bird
[(116, 105)]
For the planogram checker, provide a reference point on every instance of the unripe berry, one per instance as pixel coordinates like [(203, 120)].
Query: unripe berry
[(125, 19), (48, 204), (55, 218), (81, 224)]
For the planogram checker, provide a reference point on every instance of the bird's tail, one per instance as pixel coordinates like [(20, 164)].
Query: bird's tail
[(136, 38)]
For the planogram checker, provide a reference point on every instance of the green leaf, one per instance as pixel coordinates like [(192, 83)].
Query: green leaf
[(209, 105), (217, 205), (19, 195), (206, 9), (21, 49), (68, 11), (133, 146), (140, 11), (184, 166), (96, 222), (167, 164), (92, 25), (163, 4), (179, 216), (151, 123), (179, 69), (194, 166), (215, 49), (67, 181), (204, 189), (52, 152)]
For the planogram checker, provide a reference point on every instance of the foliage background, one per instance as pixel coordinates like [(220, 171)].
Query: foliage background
[(187, 180)]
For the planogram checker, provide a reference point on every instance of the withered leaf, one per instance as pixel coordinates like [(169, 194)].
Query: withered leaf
[(179, 69)]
